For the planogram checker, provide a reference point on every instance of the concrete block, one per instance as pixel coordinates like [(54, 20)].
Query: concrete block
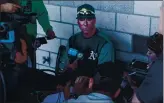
[(76, 29), (64, 42), (121, 41), (40, 35), (62, 3), (95, 4), (53, 12), (53, 60), (45, 1), (68, 15), (55, 2), (62, 30), (128, 57), (105, 20), (52, 45), (154, 25), (118, 6), (110, 6), (133, 24), (39, 29), (140, 44), (39, 57), (147, 7)]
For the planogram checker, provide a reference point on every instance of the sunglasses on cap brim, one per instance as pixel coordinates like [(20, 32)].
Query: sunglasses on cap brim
[(86, 12), (85, 17)]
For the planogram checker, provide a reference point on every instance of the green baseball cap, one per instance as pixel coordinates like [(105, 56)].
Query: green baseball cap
[(85, 11)]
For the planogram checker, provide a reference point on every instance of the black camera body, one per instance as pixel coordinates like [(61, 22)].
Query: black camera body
[(27, 8), (18, 18), (23, 15), (11, 21), (137, 71), (42, 40)]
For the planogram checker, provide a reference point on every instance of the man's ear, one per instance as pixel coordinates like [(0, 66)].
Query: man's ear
[(90, 83)]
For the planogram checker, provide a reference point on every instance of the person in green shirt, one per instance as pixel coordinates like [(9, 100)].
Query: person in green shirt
[(95, 46), (39, 8)]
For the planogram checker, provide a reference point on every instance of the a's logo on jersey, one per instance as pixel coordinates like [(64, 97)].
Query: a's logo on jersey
[(93, 55)]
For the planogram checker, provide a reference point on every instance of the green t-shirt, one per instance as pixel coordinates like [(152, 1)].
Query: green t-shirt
[(106, 52)]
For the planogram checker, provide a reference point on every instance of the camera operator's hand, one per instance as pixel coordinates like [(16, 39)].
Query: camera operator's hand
[(50, 34), (9, 7), (21, 57)]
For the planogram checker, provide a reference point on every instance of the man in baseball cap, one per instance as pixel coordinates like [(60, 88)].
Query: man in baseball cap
[(91, 42), (85, 11)]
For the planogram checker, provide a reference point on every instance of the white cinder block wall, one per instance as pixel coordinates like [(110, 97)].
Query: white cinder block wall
[(123, 21)]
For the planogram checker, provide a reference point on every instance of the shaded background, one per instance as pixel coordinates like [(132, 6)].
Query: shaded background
[(128, 24)]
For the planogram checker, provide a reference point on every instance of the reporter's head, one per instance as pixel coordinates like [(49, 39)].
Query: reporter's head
[(155, 46), (108, 79)]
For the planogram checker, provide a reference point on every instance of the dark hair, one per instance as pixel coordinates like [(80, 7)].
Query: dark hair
[(108, 79), (155, 43)]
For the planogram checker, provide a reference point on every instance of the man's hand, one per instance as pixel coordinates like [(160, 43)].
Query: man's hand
[(9, 7), (135, 99), (74, 65), (50, 34), (81, 85)]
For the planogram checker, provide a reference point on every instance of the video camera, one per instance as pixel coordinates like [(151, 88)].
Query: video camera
[(23, 15), (27, 7), (11, 21), (137, 71)]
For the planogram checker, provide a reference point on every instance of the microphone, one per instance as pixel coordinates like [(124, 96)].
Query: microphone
[(75, 53), (61, 51)]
